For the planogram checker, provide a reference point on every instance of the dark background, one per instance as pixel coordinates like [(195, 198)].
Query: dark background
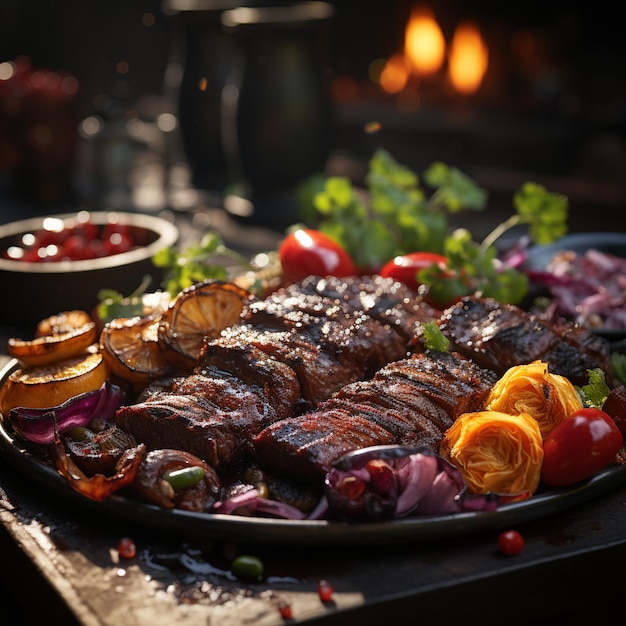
[(562, 122)]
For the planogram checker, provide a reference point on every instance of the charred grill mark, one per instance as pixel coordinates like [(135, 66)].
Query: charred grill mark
[(498, 336), (393, 407)]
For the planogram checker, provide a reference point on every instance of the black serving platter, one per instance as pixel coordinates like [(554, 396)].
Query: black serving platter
[(302, 533)]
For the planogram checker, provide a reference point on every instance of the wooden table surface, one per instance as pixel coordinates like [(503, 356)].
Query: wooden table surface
[(60, 564)]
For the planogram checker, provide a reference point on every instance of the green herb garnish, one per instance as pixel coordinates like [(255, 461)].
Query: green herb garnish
[(196, 263), (596, 391), (112, 304), (396, 217), (434, 339)]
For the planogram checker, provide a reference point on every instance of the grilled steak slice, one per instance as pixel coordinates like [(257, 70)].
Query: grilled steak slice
[(455, 383), (399, 408), (498, 336), (271, 378), (390, 302), (306, 445), (215, 421), (411, 417), (319, 373)]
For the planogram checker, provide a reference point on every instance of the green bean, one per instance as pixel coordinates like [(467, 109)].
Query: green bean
[(185, 477)]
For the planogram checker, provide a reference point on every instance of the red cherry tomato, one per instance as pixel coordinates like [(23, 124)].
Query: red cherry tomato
[(448, 289), (580, 447), (404, 268), (510, 542), (307, 251)]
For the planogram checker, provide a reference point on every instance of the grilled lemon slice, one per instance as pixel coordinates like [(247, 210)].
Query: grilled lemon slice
[(50, 385), (57, 338), (130, 346), (201, 311)]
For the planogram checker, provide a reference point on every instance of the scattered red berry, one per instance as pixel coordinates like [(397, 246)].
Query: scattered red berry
[(284, 608), (325, 591), (126, 548), (510, 542)]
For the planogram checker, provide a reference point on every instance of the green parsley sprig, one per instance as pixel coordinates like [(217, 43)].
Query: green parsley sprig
[(395, 216), (197, 262)]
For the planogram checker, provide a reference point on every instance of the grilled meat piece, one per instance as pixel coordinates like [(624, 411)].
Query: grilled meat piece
[(306, 445), (214, 422), (395, 407), (319, 372), (272, 379), (498, 336), (455, 383), (390, 302), (253, 375)]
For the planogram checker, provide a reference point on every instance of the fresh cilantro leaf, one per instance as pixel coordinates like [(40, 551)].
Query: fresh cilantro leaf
[(455, 190), (196, 263), (545, 212), (596, 391), (434, 339)]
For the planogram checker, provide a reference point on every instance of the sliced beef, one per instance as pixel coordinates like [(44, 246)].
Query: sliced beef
[(276, 381), (390, 302), (455, 383), (319, 372), (306, 445), (214, 420), (498, 336), (394, 407)]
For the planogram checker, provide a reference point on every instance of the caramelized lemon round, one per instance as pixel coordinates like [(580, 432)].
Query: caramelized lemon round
[(130, 346), (50, 385), (201, 311), (59, 337)]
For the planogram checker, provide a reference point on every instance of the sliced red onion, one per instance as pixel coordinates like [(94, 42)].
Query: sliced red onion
[(425, 484), (41, 425), (253, 504)]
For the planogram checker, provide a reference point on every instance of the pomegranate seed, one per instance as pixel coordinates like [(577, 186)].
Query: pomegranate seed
[(126, 548), (284, 608), (325, 591)]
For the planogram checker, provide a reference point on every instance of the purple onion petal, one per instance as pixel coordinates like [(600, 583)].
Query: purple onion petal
[(416, 480), (254, 504), (41, 425)]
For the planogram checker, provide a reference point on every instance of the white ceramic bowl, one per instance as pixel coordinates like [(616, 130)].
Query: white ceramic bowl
[(33, 290)]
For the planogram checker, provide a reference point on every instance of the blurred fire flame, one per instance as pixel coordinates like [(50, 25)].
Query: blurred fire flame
[(424, 54), (424, 44), (468, 58)]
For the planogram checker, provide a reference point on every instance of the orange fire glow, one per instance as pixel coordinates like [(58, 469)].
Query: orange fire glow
[(424, 44), (395, 75), (468, 58)]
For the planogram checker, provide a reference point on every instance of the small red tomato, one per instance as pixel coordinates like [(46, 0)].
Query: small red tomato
[(325, 590), (580, 447), (510, 542), (306, 251), (404, 268)]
